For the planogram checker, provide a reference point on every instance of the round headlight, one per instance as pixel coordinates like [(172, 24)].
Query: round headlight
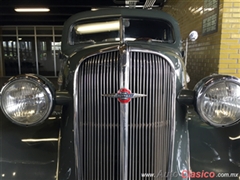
[(27, 100), (218, 100)]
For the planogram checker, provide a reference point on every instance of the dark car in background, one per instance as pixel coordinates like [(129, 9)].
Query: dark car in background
[(124, 109)]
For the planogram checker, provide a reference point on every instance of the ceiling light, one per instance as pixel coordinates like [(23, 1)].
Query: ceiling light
[(32, 9), (98, 27), (94, 9), (234, 138), (40, 140)]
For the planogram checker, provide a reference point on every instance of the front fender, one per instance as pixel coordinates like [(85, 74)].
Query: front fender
[(28, 153), (214, 149)]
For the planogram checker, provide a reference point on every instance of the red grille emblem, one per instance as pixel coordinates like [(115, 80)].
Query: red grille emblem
[(124, 95)]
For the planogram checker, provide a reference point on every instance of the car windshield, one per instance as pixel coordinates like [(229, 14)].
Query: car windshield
[(108, 30), (148, 29)]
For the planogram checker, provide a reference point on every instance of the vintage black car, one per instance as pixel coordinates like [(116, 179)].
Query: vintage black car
[(125, 109)]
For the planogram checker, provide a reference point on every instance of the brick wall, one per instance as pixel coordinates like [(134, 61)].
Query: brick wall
[(203, 57), (229, 60)]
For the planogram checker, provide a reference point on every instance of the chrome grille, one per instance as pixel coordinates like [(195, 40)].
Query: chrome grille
[(97, 128)]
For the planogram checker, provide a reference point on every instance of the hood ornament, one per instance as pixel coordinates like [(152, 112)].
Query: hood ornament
[(124, 95)]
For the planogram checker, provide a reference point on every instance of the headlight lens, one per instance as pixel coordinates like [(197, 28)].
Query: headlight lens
[(218, 100), (26, 100)]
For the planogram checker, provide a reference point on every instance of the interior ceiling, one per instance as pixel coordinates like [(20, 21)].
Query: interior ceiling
[(60, 10)]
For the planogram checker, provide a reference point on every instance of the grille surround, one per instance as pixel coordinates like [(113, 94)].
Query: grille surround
[(112, 171)]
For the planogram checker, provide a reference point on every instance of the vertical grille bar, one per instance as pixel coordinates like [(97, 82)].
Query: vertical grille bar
[(150, 118)]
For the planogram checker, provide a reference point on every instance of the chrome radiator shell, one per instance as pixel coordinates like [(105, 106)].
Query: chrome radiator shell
[(151, 119)]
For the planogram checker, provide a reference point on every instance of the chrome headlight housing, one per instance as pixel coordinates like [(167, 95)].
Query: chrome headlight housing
[(218, 100), (27, 99)]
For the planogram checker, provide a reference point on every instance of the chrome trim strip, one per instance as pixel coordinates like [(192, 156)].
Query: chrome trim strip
[(173, 129), (124, 95), (124, 83), (75, 119)]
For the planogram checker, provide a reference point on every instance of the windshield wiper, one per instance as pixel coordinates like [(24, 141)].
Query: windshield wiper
[(87, 41), (153, 40), (162, 41)]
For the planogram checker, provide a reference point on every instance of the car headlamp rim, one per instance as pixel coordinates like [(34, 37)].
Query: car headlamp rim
[(203, 86), (36, 80), (209, 81)]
